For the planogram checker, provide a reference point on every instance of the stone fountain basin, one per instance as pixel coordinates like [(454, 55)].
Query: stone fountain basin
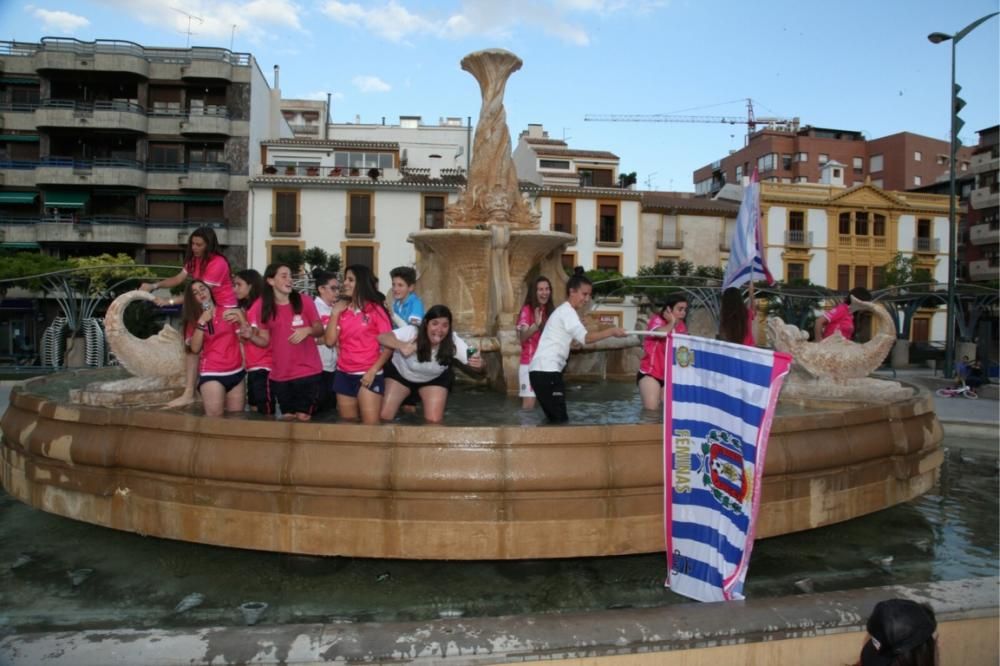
[(435, 492)]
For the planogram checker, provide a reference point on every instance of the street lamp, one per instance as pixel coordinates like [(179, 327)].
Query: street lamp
[(956, 124)]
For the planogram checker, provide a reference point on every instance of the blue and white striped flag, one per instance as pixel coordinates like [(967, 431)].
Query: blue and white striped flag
[(720, 399), (746, 256)]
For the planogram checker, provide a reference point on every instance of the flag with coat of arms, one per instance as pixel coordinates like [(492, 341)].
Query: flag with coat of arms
[(717, 411), (746, 256)]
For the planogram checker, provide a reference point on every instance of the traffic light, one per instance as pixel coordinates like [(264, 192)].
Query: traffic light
[(957, 105)]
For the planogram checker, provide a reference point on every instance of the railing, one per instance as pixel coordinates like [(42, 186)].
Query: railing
[(320, 171), (19, 107), (129, 220), (213, 110), (118, 47), (103, 163), (215, 223), (669, 244), (798, 237), (19, 164), (90, 107), (925, 244), (191, 167), (285, 222), (304, 129), (19, 219), (87, 165)]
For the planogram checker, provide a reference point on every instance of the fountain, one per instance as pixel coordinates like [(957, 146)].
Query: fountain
[(442, 492)]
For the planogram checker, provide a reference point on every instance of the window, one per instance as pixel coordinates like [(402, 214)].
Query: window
[(845, 224), (796, 227), (595, 178), (917, 156), (861, 276), (767, 162), (878, 277), (917, 181), (796, 272), (360, 253), (285, 218), (859, 164), (607, 224), (569, 261), (878, 226), (786, 162), (280, 251), (554, 164), (701, 187), (359, 160), (802, 157), (836, 173), (843, 277), (165, 210), (923, 228), (668, 232), (822, 158), (860, 224), (165, 153), (433, 217), (875, 164), (739, 174), (562, 217), (608, 262), (360, 221)]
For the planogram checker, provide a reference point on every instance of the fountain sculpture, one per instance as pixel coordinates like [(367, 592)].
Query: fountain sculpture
[(484, 492)]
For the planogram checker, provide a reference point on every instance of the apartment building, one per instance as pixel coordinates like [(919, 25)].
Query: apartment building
[(111, 146), (841, 237), (900, 161), (576, 192), (979, 235)]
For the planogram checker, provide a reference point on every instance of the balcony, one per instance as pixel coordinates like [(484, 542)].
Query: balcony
[(117, 115), (315, 171), (102, 55), (299, 129), (798, 238), (194, 176), (111, 229), (984, 234), (926, 245), (91, 229), (102, 171), (985, 197), (985, 269), (663, 244), (18, 173), (209, 119), (984, 162), (18, 116), (208, 63)]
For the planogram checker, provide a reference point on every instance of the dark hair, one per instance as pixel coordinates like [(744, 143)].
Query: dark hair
[(406, 273), (577, 280), (672, 300), (268, 308), (859, 293), (732, 316), (446, 350), (193, 308), (256, 282), (531, 298), (212, 249), (365, 290), (322, 276), (902, 634)]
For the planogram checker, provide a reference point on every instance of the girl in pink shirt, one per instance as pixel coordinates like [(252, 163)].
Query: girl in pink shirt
[(205, 262), (735, 319), (840, 318), (249, 285), (530, 322), (214, 341), (356, 321), (284, 320), (651, 370)]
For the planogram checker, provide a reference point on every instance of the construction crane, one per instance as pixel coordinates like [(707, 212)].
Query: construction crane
[(750, 120)]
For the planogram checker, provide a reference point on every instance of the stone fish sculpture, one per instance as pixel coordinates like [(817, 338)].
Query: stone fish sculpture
[(835, 367), (157, 362)]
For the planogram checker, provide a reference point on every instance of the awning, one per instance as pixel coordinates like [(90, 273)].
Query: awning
[(18, 197), (19, 246), (66, 199), (19, 138), (191, 198)]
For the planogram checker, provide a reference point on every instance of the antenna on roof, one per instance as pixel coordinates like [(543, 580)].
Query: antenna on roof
[(190, 17)]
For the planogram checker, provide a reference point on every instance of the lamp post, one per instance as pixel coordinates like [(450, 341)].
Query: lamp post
[(956, 105)]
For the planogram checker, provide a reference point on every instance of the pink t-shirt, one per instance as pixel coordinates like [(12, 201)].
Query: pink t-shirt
[(257, 358), (839, 319), (524, 320), (358, 340), (216, 275), (655, 347), (289, 361), (220, 351)]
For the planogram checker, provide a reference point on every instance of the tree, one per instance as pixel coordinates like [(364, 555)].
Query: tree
[(23, 270), (902, 270), (627, 179), (317, 257)]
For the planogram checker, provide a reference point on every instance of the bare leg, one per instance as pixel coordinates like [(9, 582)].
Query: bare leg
[(371, 405), (213, 395), (236, 399), (651, 392), (395, 394), (190, 380), (435, 398), (527, 403), (347, 407)]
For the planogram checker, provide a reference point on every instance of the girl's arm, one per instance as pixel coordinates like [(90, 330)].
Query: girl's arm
[(596, 336), (369, 376), (332, 334), (165, 283)]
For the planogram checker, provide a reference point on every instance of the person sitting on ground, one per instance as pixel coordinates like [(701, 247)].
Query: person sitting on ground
[(249, 285), (421, 363), (652, 372), (407, 308), (735, 318), (214, 341), (900, 633), (563, 328), (840, 318), (536, 310), (976, 376)]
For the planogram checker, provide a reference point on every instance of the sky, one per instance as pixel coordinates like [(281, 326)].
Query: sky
[(858, 65)]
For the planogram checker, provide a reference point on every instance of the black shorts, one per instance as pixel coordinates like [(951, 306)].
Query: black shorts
[(445, 380), (327, 401), (297, 396), (349, 384), (640, 375), (229, 382), (258, 392)]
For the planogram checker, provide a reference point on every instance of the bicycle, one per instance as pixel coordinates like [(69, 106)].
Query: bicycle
[(954, 391)]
